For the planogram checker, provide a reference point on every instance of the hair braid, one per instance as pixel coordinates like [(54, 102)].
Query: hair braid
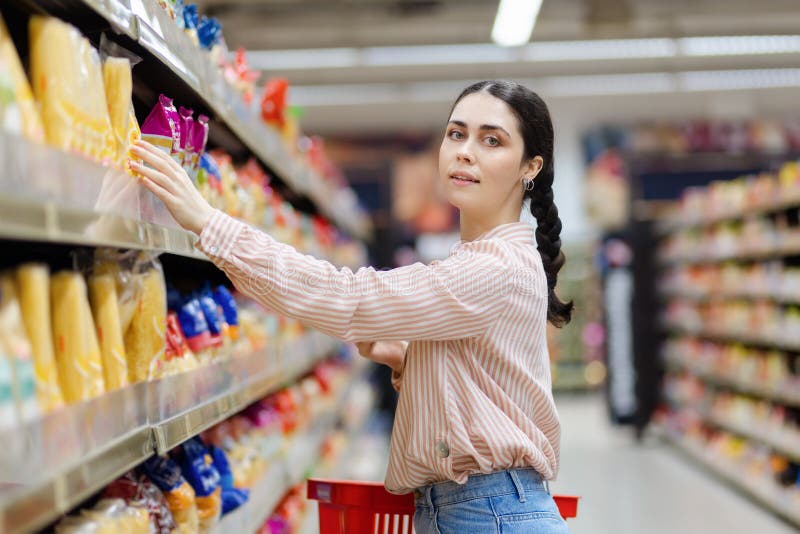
[(548, 241)]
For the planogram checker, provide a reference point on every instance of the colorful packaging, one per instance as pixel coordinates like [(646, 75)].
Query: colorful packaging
[(273, 102), (209, 181), (190, 21), (200, 142), (209, 32), (195, 328), (162, 126), (216, 325), (178, 356), (187, 135), (103, 296), (15, 345), (33, 285), (198, 469), (232, 497), (118, 83), (230, 312), (18, 112), (137, 490), (180, 496)]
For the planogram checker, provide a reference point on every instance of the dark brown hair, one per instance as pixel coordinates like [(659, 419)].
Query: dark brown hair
[(537, 134)]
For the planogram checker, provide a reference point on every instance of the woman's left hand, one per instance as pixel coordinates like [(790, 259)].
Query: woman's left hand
[(168, 181)]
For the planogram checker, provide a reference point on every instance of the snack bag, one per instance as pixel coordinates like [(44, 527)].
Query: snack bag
[(118, 83), (33, 284), (162, 127), (180, 496), (144, 338), (230, 311), (178, 358), (137, 490), (195, 327), (79, 366), (232, 497), (216, 323), (18, 112), (209, 181), (186, 124), (198, 469), (15, 345), (104, 303), (273, 102)]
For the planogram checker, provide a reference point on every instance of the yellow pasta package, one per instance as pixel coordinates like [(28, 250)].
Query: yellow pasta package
[(105, 310), (18, 113), (33, 283), (94, 357), (119, 88), (68, 316), (145, 338)]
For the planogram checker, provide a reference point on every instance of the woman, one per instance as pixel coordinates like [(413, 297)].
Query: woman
[(476, 433)]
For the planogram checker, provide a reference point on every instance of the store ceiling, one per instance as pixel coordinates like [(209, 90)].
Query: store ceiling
[(346, 59)]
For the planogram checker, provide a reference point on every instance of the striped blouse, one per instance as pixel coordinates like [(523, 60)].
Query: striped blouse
[(475, 390)]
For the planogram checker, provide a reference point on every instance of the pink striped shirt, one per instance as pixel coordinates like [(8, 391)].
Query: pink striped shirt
[(475, 392)]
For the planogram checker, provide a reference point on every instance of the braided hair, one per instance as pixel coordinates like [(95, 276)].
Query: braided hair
[(537, 133)]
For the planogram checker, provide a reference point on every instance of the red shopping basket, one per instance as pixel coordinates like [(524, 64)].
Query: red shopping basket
[(347, 507)]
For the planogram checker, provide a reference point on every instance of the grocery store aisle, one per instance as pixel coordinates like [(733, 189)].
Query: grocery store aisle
[(632, 489)]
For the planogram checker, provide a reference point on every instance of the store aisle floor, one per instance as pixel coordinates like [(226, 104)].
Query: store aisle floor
[(636, 489)]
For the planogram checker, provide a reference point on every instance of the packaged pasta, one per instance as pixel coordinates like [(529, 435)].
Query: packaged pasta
[(230, 311), (139, 491), (162, 127), (18, 112), (33, 283), (180, 496), (15, 345), (187, 138), (79, 367), (145, 338), (118, 83), (103, 296), (195, 327), (198, 469), (129, 286), (179, 358)]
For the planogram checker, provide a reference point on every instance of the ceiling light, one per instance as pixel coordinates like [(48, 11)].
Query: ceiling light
[(514, 21)]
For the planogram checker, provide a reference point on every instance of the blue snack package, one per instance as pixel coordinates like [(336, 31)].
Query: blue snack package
[(209, 31), (194, 325), (164, 473), (222, 466), (190, 16), (233, 498), (209, 307), (226, 301), (197, 467)]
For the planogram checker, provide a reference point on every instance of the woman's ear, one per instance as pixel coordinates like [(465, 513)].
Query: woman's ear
[(532, 168)]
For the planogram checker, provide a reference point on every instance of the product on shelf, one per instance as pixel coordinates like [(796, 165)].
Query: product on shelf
[(180, 496), (77, 352), (67, 81), (18, 113), (103, 296), (198, 469), (107, 516), (161, 128), (119, 87), (14, 347), (145, 337), (33, 283), (137, 490)]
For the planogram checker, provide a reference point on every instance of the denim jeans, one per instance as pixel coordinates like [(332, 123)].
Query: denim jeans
[(516, 501)]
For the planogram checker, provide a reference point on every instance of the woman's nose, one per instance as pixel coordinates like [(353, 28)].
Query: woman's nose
[(465, 156)]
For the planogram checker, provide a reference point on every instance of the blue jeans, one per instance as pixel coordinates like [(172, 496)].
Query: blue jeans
[(516, 501)]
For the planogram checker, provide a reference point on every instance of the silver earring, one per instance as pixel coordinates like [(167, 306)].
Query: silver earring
[(527, 184)]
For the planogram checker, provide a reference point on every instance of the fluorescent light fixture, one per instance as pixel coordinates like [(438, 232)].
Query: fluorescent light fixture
[(514, 21), (745, 45), (551, 86)]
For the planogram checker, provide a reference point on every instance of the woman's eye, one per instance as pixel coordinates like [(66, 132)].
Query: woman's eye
[(456, 135), (492, 141)]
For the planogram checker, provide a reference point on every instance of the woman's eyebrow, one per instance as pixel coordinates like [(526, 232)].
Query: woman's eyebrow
[(483, 126)]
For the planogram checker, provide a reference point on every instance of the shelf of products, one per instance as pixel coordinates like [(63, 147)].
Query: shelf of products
[(770, 374), (82, 447), (763, 489)]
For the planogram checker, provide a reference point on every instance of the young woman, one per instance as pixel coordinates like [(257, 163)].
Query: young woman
[(476, 433)]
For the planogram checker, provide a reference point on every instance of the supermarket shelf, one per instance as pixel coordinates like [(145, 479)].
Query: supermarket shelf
[(767, 253), (735, 337), (786, 397), (783, 202), (753, 434), (79, 449), (699, 295), (148, 25), (767, 494)]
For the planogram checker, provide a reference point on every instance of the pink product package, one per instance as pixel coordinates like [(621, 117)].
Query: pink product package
[(200, 134), (187, 135), (162, 126)]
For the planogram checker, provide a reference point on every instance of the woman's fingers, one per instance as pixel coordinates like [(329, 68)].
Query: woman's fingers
[(165, 196), (154, 175)]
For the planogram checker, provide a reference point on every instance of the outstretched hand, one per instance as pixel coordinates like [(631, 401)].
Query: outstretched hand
[(167, 180)]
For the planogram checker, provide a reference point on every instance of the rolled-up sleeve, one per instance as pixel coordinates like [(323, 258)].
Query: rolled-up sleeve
[(455, 298)]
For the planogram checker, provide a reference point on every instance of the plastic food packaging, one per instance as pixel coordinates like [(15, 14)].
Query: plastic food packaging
[(77, 364), (145, 337), (67, 81), (186, 125), (195, 327), (180, 496), (273, 102), (103, 296), (18, 112), (33, 284), (118, 84), (179, 358), (162, 126), (230, 311), (15, 345), (198, 469), (232, 497), (138, 491)]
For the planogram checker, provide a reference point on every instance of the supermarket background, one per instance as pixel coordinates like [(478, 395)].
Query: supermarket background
[(140, 393)]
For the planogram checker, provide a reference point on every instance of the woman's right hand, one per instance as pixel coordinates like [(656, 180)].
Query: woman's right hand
[(391, 353)]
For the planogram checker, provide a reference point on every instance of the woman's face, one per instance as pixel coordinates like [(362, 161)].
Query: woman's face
[(480, 160)]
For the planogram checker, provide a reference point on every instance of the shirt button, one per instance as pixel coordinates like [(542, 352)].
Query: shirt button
[(213, 249), (443, 449)]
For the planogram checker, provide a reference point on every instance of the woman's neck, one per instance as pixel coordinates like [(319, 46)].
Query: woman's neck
[(473, 227)]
